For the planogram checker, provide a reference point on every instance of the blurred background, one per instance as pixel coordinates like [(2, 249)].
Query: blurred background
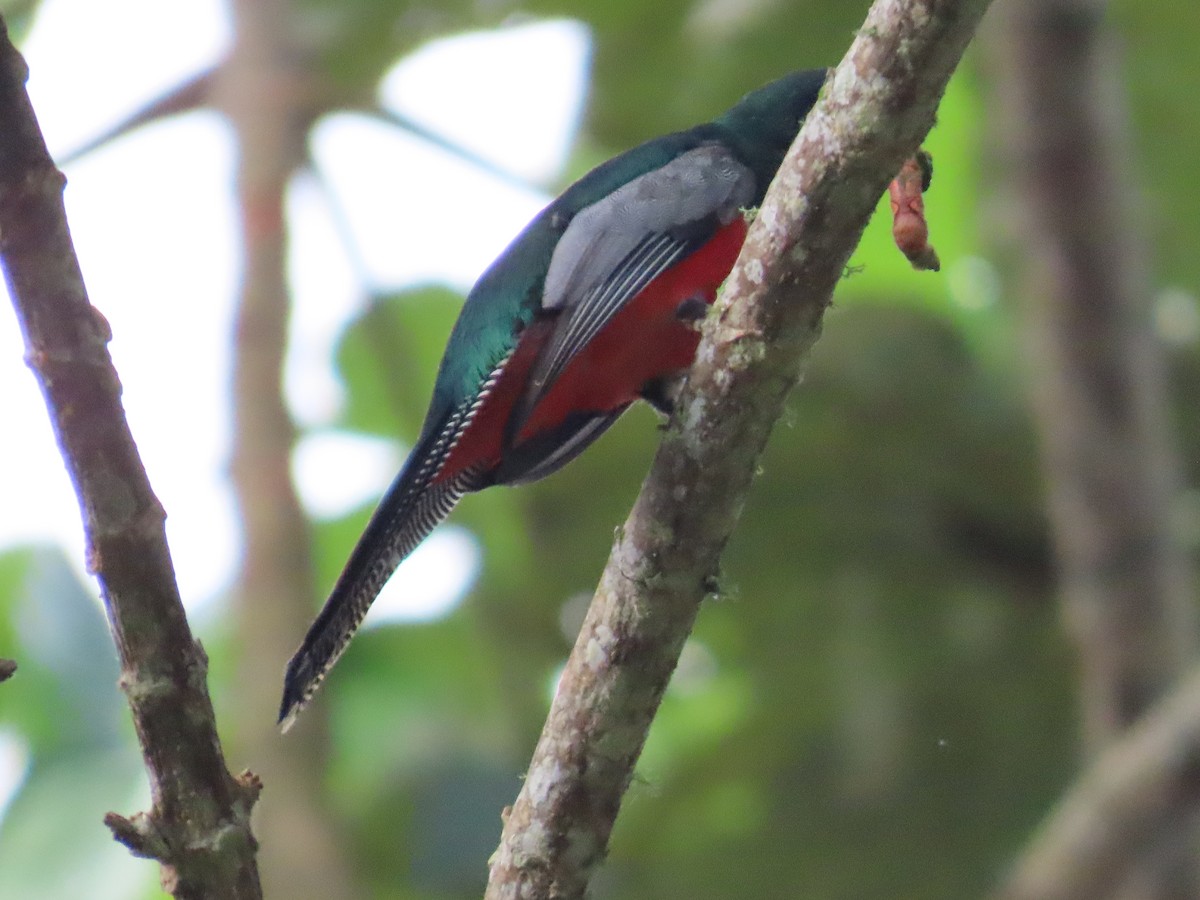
[(966, 565)]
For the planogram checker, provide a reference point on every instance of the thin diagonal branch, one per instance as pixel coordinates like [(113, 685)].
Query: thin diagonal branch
[(1135, 793), (191, 95), (199, 826), (875, 111)]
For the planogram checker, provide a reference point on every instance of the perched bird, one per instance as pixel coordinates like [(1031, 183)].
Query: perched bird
[(593, 306)]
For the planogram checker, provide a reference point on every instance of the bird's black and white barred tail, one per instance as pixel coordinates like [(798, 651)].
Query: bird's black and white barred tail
[(398, 526), (413, 506), (410, 510)]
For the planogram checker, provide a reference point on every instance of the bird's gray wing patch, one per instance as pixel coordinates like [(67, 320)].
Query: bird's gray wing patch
[(614, 248)]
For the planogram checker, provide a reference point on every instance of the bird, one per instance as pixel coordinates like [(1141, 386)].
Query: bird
[(593, 306)]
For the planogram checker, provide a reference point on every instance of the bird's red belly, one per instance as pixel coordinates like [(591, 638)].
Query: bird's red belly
[(645, 341)]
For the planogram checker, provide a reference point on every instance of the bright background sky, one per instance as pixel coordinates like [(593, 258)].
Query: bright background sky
[(153, 221)]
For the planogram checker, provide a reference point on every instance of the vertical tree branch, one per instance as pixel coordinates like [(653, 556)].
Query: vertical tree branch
[(265, 89), (198, 827), (1099, 390), (875, 111), (1096, 367)]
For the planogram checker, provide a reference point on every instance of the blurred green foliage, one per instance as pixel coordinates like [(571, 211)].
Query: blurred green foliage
[(18, 16), (878, 704)]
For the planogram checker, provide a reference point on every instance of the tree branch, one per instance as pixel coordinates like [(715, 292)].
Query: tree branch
[(876, 109), (199, 826), (1099, 389), (265, 90), (1136, 791), (1096, 370)]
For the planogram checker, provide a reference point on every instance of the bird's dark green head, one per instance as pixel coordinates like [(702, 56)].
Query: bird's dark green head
[(763, 124)]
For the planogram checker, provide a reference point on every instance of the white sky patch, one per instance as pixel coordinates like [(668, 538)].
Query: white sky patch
[(696, 670), (515, 92), (431, 581), (14, 762), (336, 471), (39, 504), (326, 287), (414, 213), (91, 64), (553, 680)]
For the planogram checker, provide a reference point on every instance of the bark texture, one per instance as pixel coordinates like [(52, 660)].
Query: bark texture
[(877, 107), (199, 825)]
